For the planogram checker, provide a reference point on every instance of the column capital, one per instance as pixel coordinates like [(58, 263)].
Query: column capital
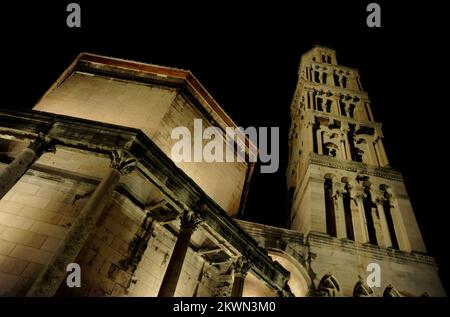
[(379, 200), (357, 194), (122, 161), (242, 265), (345, 127), (190, 221), (338, 189), (42, 143)]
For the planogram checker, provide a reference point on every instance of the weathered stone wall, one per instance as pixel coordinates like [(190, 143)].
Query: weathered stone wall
[(34, 218), (308, 213), (318, 254), (154, 110), (120, 258), (409, 273), (128, 255)]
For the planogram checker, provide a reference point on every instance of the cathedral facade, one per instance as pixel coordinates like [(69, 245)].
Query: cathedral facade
[(87, 183)]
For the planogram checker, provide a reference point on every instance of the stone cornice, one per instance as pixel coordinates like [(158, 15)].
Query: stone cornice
[(325, 87), (322, 239), (356, 167), (319, 239), (180, 79), (154, 165), (370, 124)]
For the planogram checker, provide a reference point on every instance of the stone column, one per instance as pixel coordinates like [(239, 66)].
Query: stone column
[(381, 152), (369, 111), (11, 174), (383, 222), (377, 154), (54, 273), (371, 151), (311, 126), (241, 268), (338, 189), (189, 223), (310, 100), (319, 141), (345, 131), (341, 80), (359, 198)]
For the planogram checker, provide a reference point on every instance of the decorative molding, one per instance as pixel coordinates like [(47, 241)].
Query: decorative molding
[(241, 266), (42, 144), (122, 161), (155, 166), (355, 167), (190, 221)]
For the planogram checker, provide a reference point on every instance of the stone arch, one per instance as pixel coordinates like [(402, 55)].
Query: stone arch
[(331, 149), (299, 282), (347, 180), (330, 286), (392, 221), (361, 289), (390, 291), (387, 189), (367, 184)]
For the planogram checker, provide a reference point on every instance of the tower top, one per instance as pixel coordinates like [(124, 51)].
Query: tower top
[(320, 54)]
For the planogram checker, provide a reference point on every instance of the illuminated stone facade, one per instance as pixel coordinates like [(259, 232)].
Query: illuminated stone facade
[(85, 177)]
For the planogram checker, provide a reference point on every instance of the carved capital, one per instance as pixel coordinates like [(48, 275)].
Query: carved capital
[(42, 144), (357, 194), (379, 200), (190, 221), (242, 265), (338, 193), (122, 161)]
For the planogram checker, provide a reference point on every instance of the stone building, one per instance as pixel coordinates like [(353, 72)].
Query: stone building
[(86, 178)]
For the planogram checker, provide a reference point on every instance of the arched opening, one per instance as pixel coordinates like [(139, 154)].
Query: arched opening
[(390, 291), (299, 282), (362, 290), (348, 212), (387, 207), (368, 206), (330, 286), (330, 149), (330, 214)]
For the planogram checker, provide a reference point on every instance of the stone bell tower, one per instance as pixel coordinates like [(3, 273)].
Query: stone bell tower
[(346, 199)]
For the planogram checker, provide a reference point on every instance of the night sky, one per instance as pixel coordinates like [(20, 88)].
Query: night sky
[(247, 56)]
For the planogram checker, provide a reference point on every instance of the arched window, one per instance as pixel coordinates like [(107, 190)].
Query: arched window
[(320, 104), (316, 76), (348, 213), (362, 290), (330, 149), (387, 207), (324, 77), (390, 291), (329, 207), (368, 206), (351, 110)]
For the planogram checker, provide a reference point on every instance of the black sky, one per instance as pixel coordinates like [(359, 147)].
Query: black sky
[(247, 56)]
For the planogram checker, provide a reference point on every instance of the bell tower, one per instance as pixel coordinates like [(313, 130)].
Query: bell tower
[(339, 175), (351, 206)]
